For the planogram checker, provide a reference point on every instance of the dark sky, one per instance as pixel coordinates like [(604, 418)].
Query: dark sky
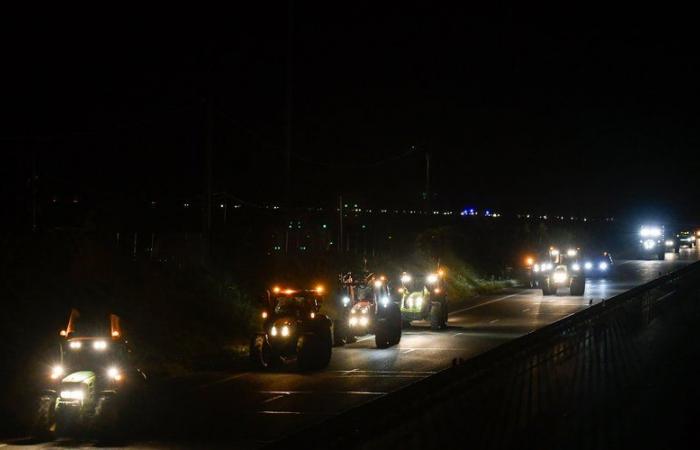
[(576, 111)]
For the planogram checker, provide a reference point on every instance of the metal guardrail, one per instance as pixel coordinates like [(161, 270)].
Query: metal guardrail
[(504, 391)]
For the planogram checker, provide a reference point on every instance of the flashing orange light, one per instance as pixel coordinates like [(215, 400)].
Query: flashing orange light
[(115, 334), (276, 289), (529, 261), (437, 290), (63, 333), (441, 272), (378, 283), (264, 314), (313, 315), (319, 289), (383, 278), (289, 291)]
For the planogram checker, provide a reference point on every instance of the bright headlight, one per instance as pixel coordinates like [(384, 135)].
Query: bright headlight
[(385, 301), (571, 252), (273, 331), (670, 243), (99, 345), (432, 278), (114, 373), (559, 277), (588, 265), (353, 321), (554, 252), (73, 395), (576, 266), (56, 371), (346, 301), (405, 278), (603, 266), (285, 331), (536, 268), (75, 345), (378, 283), (650, 232), (649, 244), (364, 321)]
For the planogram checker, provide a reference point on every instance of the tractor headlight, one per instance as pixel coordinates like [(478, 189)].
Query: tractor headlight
[(385, 301), (346, 301), (99, 345), (56, 371), (73, 395), (432, 278), (576, 266), (670, 243), (285, 331), (75, 345), (603, 266), (649, 244), (560, 277), (405, 278), (536, 268), (273, 331), (114, 374), (571, 252), (364, 321), (588, 265)]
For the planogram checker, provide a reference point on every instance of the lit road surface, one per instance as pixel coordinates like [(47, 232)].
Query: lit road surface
[(247, 409)]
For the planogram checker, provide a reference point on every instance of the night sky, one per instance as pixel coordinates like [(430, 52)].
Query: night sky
[(587, 112)]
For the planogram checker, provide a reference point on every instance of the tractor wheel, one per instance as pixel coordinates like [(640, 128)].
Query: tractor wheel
[(44, 426), (382, 334), (547, 288), (261, 354), (578, 286), (662, 255), (314, 351), (436, 316), (340, 333)]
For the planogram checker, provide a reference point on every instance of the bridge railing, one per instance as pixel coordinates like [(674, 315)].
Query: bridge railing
[(531, 392)]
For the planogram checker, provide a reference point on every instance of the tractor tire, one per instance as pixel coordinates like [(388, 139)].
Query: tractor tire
[(578, 286), (108, 429), (340, 333), (662, 255), (314, 350), (261, 354), (436, 322), (547, 288), (44, 423), (382, 334)]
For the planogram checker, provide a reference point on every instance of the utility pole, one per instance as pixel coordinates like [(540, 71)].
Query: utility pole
[(427, 180), (35, 178), (288, 107), (340, 224), (208, 163)]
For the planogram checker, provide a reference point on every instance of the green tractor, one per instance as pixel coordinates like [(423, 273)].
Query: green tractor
[(424, 299), (92, 387), (293, 330), (368, 309)]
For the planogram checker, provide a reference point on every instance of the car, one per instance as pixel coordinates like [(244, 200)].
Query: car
[(652, 243), (559, 269), (91, 386), (598, 264), (369, 309), (293, 330), (424, 299), (685, 239)]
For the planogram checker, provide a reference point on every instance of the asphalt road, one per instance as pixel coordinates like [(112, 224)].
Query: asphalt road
[(245, 409)]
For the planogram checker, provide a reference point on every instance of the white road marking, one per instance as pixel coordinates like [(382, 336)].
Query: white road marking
[(494, 320), (276, 397), (296, 413), (223, 380), (486, 303), (526, 309), (409, 350)]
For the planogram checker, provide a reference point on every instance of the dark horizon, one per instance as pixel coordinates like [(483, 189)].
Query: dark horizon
[(585, 115)]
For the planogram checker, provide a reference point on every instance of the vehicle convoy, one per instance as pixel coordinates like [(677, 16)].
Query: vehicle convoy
[(92, 384), (598, 265), (424, 299), (368, 309), (293, 330), (652, 242), (557, 269)]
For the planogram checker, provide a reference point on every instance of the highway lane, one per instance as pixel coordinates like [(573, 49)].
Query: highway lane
[(248, 408)]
